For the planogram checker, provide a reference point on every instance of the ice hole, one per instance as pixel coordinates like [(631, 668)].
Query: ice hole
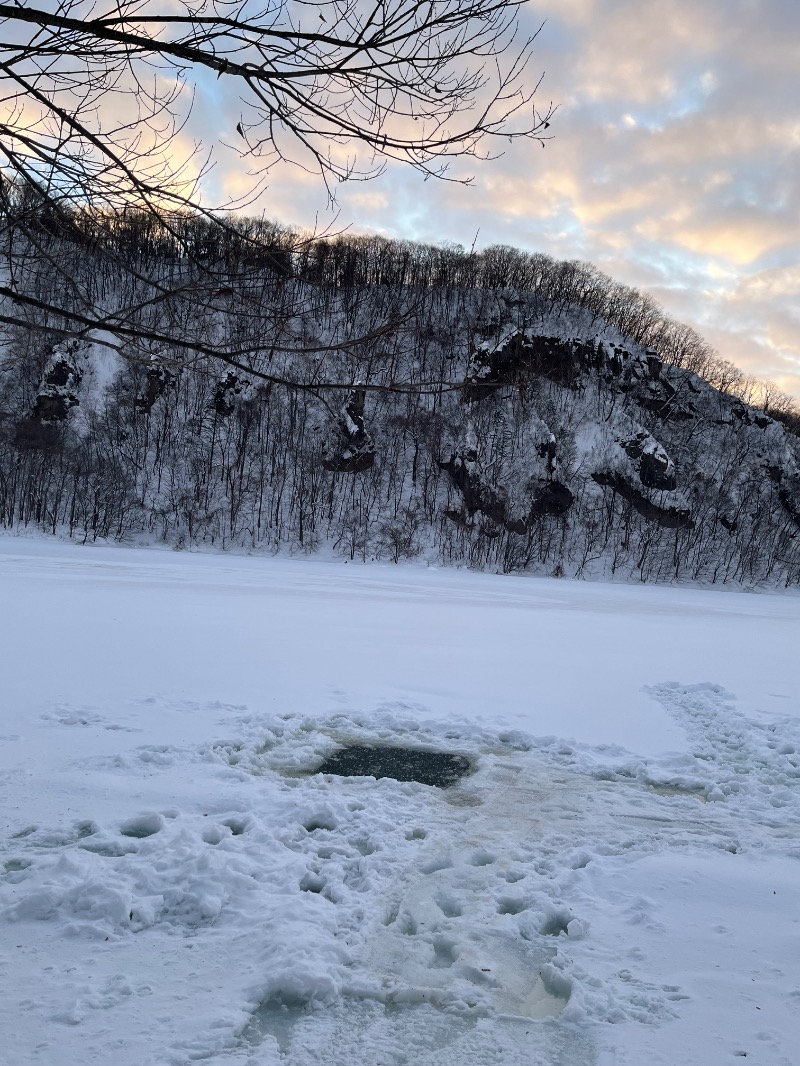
[(438, 768)]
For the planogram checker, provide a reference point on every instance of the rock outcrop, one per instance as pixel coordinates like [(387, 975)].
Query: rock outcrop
[(227, 392), (58, 390), (670, 517), (548, 498), (656, 469), (353, 450), (157, 380)]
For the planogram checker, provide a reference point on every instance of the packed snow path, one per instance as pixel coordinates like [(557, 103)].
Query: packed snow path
[(617, 882)]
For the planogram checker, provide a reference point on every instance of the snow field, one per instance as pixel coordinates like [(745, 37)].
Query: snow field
[(177, 886)]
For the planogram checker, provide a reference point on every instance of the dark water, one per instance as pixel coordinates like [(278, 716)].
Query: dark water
[(438, 768)]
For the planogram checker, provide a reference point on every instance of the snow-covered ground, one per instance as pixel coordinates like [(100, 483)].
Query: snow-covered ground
[(618, 882)]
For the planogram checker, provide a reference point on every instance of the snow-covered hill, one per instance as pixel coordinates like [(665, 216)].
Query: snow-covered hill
[(503, 429)]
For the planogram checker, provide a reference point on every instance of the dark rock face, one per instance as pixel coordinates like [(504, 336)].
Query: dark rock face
[(655, 466), (157, 381), (654, 364), (667, 517), (524, 356), (749, 416), (635, 446), (353, 460), (658, 396), (552, 498), (58, 391), (60, 373), (227, 392), (564, 361), (457, 518), (789, 500), (51, 408), (354, 449), (477, 497), (654, 473)]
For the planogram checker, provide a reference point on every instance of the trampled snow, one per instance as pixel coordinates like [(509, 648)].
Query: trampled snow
[(615, 883)]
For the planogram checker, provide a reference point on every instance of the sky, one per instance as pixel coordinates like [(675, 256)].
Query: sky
[(674, 167)]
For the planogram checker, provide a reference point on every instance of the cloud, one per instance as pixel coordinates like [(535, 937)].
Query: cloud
[(675, 167)]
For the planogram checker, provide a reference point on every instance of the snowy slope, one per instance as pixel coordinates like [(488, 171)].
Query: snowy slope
[(616, 883), (524, 436)]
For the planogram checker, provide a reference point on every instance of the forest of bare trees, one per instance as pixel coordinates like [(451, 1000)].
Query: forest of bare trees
[(392, 400)]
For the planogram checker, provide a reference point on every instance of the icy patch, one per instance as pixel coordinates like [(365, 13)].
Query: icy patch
[(355, 1030)]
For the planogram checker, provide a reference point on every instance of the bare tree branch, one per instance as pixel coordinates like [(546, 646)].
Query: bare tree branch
[(94, 97)]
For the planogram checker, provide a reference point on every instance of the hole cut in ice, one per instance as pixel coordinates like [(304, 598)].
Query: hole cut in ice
[(439, 768)]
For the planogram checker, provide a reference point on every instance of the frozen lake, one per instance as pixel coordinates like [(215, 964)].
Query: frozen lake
[(614, 882)]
